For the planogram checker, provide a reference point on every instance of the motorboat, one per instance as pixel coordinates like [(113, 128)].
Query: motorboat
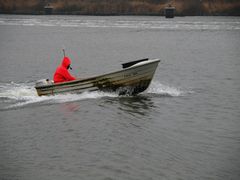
[(134, 78)]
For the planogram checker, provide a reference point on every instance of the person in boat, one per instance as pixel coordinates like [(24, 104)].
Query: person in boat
[(61, 74)]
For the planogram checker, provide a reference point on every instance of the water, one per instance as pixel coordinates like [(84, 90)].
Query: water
[(185, 126)]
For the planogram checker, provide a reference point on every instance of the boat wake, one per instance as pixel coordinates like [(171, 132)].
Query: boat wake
[(15, 95), (166, 90)]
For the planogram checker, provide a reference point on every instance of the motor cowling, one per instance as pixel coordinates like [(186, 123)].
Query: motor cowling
[(43, 82)]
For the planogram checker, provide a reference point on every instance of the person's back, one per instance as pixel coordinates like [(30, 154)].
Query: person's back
[(61, 74)]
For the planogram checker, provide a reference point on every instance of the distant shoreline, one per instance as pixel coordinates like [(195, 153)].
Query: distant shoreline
[(103, 14), (121, 7)]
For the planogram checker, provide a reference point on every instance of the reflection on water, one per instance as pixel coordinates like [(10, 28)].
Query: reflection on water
[(135, 106), (139, 105), (70, 107)]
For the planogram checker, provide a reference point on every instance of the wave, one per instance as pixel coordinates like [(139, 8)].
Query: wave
[(166, 90), (19, 95), (23, 94), (14, 91)]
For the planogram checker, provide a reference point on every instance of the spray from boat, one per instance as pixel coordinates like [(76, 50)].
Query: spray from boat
[(15, 95), (166, 90)]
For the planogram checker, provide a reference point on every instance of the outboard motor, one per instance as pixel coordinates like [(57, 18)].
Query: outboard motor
[(43, 82)]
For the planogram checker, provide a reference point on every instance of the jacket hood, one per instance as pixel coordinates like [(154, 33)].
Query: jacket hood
[(66, 62)]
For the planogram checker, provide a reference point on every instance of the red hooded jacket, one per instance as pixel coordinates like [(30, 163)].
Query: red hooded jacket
[(62, 74)]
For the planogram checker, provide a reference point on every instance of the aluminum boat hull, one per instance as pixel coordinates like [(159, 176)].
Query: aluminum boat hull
[(131, 80)]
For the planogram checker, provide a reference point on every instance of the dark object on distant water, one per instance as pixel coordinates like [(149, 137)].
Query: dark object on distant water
[(48, 9), (169, 11)]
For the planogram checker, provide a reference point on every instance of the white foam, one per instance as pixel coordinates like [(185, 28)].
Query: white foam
[(63, 98), (165, 90), (25, 94), (17, 91)]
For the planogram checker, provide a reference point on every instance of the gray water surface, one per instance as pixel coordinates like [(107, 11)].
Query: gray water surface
[(185, 126)]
